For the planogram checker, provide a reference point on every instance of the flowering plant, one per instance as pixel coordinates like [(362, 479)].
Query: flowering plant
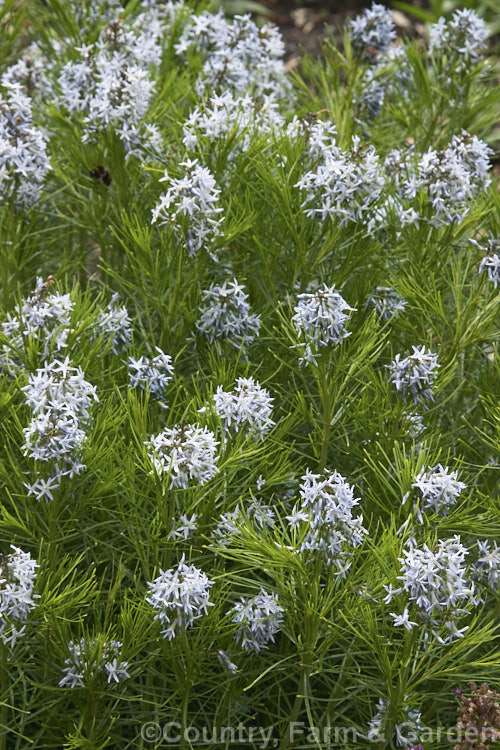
[(249, 377)]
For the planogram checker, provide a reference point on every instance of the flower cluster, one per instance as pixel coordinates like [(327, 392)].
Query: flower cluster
[(410, 727), (257, 513), (61, 400), (166, 11), (89, 13), (60, 387), (226, 315), (353, 186), (386, 302), (260, 514), (413, 424), (450, 179), (435, 580), (325, 519), (44, 315), (114, 324), (487, 565), (238, 56), (247, 405), (183, 453), (228, 116), (320, 136), (190, 206), (17, 583), (414, 373), (151, 372), (111, 84), (183, 527), (320, 319), (374, 29), (89, 658), (438, 488), (181, 596), (491, 261), (491, 264), (389, 74), (462, 39), (23, 149), (259, 618), (225, 661), (347, 185), (31, 72)]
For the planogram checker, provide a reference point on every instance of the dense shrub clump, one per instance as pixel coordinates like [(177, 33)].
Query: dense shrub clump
[(249, 381)]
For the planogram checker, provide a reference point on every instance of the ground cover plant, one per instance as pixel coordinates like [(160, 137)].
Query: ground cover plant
[(249, 383)]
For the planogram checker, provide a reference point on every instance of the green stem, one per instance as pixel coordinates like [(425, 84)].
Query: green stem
[(326, 412), (297, 706), (184, 720), (4, 703), (8, 258), (397, 698), (339, 687), (89, 716), (187, 691)]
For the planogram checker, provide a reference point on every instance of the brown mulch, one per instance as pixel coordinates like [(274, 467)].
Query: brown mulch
[(304, 26)]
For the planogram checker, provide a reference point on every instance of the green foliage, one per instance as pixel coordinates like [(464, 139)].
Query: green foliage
[(108, 529)]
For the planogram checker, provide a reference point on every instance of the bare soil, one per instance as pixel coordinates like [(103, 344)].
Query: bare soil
[(304, 26)]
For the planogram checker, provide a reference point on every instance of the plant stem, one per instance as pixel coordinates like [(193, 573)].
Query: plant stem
[(4, 705), (187, 691), (184, 720), (326, 412), (297, 706)]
